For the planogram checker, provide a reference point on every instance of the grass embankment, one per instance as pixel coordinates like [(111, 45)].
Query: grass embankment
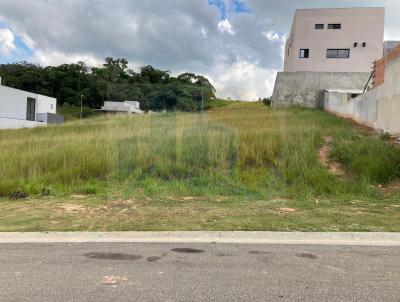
[(244, 166), (72, 112)]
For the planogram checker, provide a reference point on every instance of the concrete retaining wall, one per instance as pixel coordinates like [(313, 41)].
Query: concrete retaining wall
[(389, 99), (363, 109), (306, 88), (379, 108)]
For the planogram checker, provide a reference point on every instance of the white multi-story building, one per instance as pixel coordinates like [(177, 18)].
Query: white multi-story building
[(22, 109), (329, 49), (335, 40)]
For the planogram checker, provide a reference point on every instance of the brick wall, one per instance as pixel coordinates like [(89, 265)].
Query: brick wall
[(381, 64)]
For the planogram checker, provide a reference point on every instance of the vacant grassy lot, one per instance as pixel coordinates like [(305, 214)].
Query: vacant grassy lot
[(238, 167)]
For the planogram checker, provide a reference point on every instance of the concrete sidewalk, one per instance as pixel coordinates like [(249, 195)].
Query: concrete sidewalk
[(377, 239)]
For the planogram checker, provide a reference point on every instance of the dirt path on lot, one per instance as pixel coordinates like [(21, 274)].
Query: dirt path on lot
[(324, 158)]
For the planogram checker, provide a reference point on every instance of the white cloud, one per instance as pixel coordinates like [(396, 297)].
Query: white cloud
[(271, 35), (225, 26), (27, 40), (48, 57), (132, 25), (203, 32), (243, 80), (175, 35), (7, 41)]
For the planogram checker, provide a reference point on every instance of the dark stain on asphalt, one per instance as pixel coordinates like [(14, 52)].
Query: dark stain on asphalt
[(153, 258), (223, 255), (186, 250), (258, 252), (112, 256), (308, 256)]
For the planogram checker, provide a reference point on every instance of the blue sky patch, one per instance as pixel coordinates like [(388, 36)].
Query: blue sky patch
[(21, 53), (234, 6), (240, 7)]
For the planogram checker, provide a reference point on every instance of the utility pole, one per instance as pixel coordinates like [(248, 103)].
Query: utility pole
[(81, 105)]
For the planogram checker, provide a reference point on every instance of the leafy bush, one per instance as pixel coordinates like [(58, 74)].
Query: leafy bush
[(266, 101), (71, 112)]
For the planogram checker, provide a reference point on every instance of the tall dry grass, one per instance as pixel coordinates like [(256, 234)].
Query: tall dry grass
[(240, 149)]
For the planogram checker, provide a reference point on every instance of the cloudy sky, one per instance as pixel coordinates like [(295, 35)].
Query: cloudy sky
[(236, 43)]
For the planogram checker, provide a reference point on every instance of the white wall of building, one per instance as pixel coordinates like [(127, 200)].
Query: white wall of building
[(46, 104), (358, 25), (13, 103), (135, 104), (127, 107), (13, 107), (9, 123)]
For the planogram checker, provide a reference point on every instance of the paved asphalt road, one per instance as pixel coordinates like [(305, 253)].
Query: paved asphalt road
[(197, 272)]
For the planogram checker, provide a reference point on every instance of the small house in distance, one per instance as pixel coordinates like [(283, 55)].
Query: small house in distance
[(126, 107), (22, 109)]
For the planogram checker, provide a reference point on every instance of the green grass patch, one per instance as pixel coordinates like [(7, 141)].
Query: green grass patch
[(242, 162), (368, 158), (72, 112)]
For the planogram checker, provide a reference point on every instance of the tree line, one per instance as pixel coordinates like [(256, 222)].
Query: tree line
[(114, 81)]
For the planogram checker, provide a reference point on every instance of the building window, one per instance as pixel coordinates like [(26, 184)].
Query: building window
[(319, 26), (51, 106), (304, 53), (334, 26), (338, 53)]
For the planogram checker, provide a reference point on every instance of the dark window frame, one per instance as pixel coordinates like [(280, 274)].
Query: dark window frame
[(319, 26), (335, 26), (306, 53), (31, 109), (337, 56)]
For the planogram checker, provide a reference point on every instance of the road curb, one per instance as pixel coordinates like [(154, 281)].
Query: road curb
[(374, 239)]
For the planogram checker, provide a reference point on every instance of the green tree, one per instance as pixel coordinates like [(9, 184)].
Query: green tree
[(155, 89)]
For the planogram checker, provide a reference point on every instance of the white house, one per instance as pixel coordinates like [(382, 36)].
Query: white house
[(126, 107), (22, 109)]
